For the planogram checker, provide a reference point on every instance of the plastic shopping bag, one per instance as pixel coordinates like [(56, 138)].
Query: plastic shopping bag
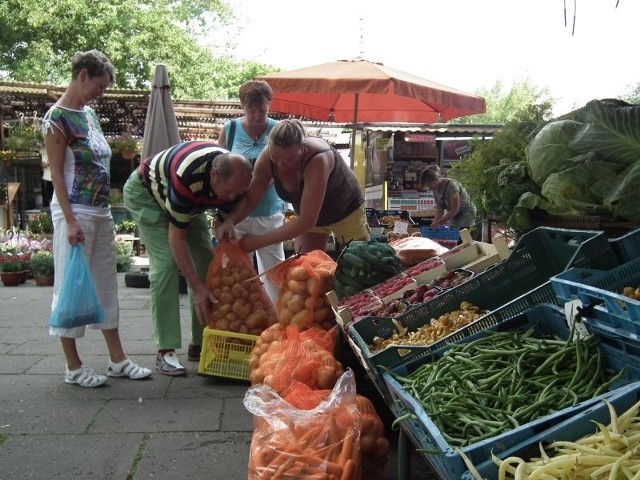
[(293, 443), (78, 302)]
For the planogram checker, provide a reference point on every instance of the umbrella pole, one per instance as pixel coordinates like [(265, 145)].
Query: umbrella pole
[(352, 156)]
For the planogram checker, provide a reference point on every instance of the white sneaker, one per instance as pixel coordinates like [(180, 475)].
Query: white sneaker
[(127, 368), (84, 376)]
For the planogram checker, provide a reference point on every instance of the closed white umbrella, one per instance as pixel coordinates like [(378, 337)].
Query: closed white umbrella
[(161, 127)]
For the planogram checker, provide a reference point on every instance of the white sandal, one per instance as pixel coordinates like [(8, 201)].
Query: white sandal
[(128, 368), (84, 376)]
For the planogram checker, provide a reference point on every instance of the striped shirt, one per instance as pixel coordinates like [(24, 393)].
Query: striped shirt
[(179, 180)]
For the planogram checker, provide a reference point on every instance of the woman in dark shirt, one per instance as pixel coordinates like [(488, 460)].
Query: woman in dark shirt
[(313, 177)]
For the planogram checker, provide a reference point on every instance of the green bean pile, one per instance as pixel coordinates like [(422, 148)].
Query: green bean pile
[(499, 382)]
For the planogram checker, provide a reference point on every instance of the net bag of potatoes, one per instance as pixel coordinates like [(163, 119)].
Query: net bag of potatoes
[(303, 283), (243, 304), (325, 339), (298, 357)]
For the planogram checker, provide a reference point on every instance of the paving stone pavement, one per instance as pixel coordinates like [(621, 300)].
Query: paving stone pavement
[(161, 428)]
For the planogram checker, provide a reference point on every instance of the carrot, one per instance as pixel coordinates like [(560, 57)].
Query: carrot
[(280, 470), (329, 467), (264, 456), (349, 470), (347, 449), (312, 433)]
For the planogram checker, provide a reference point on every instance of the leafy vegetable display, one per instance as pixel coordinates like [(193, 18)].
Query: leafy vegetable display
[(586, 165)]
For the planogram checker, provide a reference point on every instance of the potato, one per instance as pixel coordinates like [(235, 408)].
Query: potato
[(228, 280), (313, 286), (254, 297), (241, 308), (230, 317), (322, 314), (256, 319), (284, 317), (239, 291), (226, 298), (216, 282), (301, 318), (297, 286), (224, 309), (298, 273), (222, 324), (296, 304), (326, 377), (285, 296), (310, 303)]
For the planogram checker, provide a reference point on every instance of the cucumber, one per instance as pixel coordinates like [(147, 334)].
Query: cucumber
[(348, 280), (354, 260), (369, 256)]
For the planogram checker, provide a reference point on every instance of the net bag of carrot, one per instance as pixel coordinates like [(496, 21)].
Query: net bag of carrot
[(243, 304), (303, 284), (289, 442)]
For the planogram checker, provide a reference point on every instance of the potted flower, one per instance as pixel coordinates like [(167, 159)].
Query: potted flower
[(125, 145), (126, 226), (42, 267), (41, 224), (24, 136), (12, 269)]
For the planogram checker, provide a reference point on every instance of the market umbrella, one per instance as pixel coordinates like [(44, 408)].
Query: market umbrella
[(349, 91), (161, 127)]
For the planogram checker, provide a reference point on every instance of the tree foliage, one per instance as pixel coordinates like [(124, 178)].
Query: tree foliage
[(39, 39), (632, 94), (503, 104)]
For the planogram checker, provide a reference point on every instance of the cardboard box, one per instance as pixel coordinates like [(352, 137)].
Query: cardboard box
[(476, 256)]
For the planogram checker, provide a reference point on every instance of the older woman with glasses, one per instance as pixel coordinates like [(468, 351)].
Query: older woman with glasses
[(311, 175)]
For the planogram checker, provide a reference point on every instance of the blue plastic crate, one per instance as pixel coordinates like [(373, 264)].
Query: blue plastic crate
[(440, 233), (548, 319), (627, 247), (601, 290)]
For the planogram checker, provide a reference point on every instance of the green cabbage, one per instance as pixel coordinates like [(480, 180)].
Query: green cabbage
[(549, 149), (589, 165)]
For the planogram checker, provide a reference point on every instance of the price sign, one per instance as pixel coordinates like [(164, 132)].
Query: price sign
[(400, 227)]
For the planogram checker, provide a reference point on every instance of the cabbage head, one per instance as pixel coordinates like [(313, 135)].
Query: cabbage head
[(549, 149)]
